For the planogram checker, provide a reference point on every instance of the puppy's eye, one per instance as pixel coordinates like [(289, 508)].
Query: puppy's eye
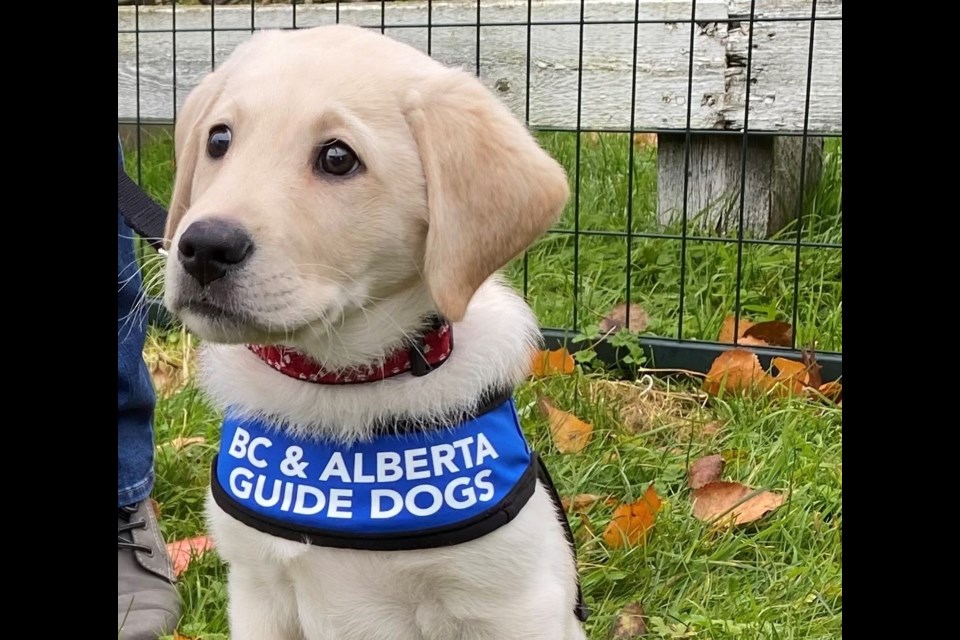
[(219, 141), (335, 158)]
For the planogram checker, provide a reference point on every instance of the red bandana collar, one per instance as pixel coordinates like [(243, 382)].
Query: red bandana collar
[(430, 351)]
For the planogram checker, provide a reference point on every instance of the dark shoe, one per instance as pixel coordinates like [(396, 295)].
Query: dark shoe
[(147, 602)]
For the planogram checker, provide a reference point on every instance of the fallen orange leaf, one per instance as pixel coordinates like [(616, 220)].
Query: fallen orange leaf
[(790, 369), (723, 500), (793, 376), (570, 433), (705, 470), (631, 522), (548, 363), (726, 331), (182, 552), (736, 370), (179, 636)]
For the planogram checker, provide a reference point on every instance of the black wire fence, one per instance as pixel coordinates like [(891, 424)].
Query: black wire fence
[(702, 138)]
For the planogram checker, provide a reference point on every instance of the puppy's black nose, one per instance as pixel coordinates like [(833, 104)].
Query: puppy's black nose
[(210, 248)]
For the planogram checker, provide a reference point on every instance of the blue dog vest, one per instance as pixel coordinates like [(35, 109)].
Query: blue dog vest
[(412, 490)]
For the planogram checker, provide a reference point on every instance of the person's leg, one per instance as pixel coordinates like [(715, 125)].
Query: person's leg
[(147, 602), (135, 398)]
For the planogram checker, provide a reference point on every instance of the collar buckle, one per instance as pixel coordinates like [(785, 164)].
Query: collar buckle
[(419, 366)]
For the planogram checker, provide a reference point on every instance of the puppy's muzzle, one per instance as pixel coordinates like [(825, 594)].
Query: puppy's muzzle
[(211, 248)]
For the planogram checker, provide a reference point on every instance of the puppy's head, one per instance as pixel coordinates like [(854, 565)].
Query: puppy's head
[(322, 171)]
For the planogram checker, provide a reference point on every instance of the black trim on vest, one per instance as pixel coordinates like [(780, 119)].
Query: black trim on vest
[(580, 609), (476, 527), (489, 401)]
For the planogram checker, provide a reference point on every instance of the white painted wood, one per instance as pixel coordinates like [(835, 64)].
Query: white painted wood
[(779, 67), (785, 8), (561, 96), (662, 57)]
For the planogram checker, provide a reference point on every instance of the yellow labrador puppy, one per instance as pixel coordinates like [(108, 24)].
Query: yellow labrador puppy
[(341, 207)]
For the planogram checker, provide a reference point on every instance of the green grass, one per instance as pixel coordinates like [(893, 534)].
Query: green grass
[(710, 271), (778, 578)]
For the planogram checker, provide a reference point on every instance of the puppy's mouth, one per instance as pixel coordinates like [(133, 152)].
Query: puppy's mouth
[(221, 323), (228, 324), (212, 311)]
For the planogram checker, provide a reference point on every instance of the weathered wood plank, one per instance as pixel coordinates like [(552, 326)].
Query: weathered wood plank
[(772, 187), (785, 8), (778, 71), (662, 58)]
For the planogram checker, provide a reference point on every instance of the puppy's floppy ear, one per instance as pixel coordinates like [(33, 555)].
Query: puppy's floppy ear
[(491, 189), (187, 141)]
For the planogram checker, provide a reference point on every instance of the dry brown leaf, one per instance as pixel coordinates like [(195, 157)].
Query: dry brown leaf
[(790, 369), (723, 500), (631, 522), (548, 363), (643, 140), (630, 623), (584, 501), (759, 334), (155, 507), (705, 470), (179, 636), (616, 319), (726, 331), (182, 552), (796, 377), (570, 433), (181, 442), (773, 333), (792, 376), (832, 390), (736, 370)]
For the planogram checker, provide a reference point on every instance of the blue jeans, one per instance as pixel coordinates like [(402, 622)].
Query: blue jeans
[(135, 398)]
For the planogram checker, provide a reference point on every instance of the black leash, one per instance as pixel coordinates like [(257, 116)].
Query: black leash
[(141, 213)]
